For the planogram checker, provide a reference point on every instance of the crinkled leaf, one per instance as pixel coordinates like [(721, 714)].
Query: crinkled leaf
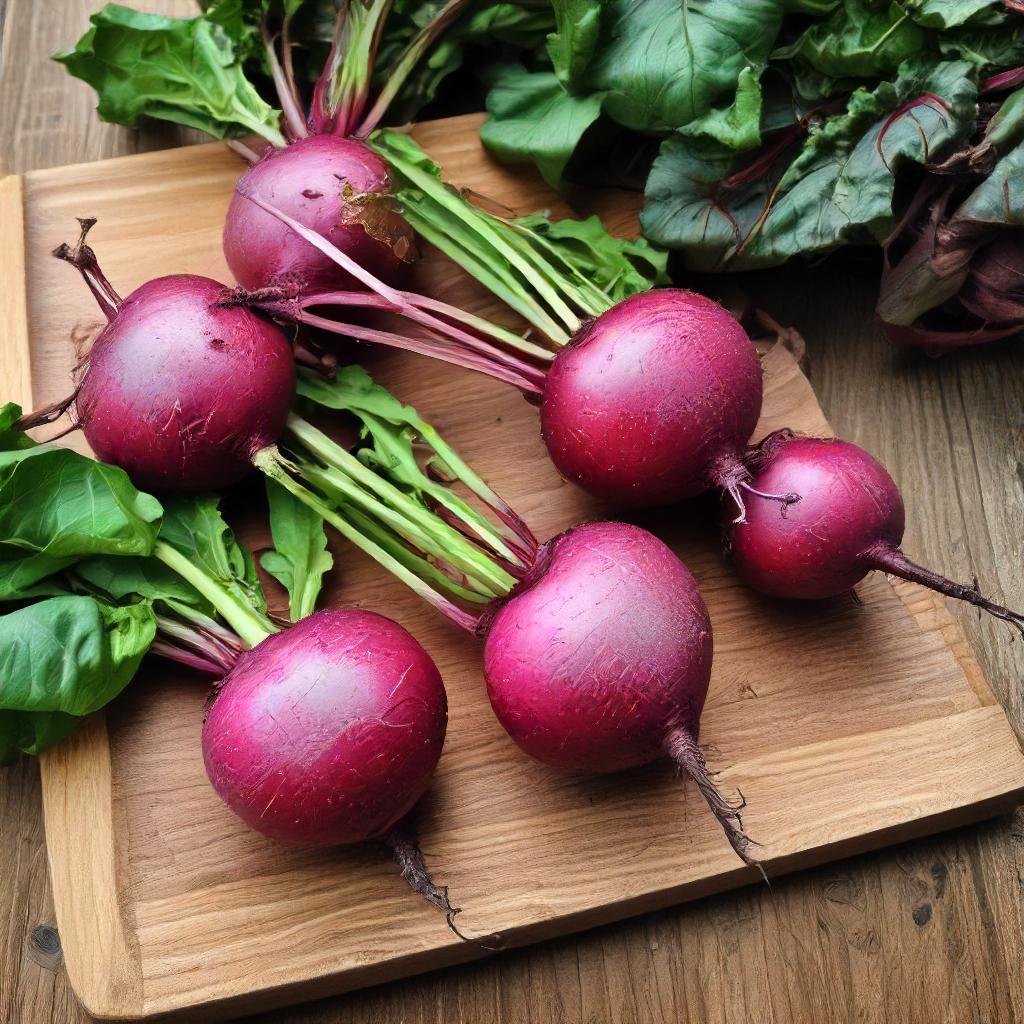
[(300, 557), (183, 70), (620, 267), (860, 39), (951, 13), (61, 659), (663, 63), (533, 117), (572, 44), (57, 506), (148, 578), (738, 125), (991, 49), (837, 187)]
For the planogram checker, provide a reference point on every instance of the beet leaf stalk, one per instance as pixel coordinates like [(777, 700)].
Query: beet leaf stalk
[(582, 291), (404, 515)]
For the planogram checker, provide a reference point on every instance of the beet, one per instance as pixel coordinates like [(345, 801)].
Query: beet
[(328, 732), (180, 390), (654, 400), (336, 186), (600, 660), (849, 520)]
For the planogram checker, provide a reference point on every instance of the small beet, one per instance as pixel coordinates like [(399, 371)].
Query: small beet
[(331, 184), (848, 521)]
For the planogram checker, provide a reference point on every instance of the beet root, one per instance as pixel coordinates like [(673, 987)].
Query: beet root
[(336, 186), (182, 392), (849, 521), (328, 732), (600, 660), (654, 400)]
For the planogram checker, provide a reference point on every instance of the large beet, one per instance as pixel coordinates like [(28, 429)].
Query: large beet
[(180, 391), (654, 400), (601, 660), (328, 732)]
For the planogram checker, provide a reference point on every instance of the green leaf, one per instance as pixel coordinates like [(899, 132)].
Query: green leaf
[(990, 49), (300, 556), (951, 13), (619, 267), (860, 39), (836, 187), (488, 25), (57, 506), (663, 63), (196, 529), (571, 46), (61, 659), (534, 118), (737, 126), (183, 70), (132, 578)]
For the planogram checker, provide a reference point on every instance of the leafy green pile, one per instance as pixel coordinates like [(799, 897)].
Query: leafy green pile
[(215, 71), (95, 574), (791, 127)]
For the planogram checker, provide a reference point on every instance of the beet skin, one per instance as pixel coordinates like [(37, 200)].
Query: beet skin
[(847, 519), (654, 400), (309, 180), (181, 392), (327, 732), (591, 666)]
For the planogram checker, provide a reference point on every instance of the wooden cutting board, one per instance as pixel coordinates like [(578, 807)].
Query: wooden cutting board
[(846, 725)]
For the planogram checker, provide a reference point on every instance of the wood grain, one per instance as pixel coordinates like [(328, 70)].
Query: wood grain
[(174, 904), (928, 931)]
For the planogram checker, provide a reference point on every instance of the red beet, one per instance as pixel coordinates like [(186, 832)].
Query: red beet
[(334, 185), (654, 400), (328, 732), (848, 521), (601, 659), (179, 390)]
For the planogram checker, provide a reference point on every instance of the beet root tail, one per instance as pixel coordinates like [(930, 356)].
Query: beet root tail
[(891, 559), (681, 747), (402, 842)]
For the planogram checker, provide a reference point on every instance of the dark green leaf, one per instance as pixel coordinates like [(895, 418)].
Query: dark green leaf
[(196, 528), (838, 187), (534, 118), (61, 659), (174, 69), (860, 39), (663, 63), (57, 506), (951, 13), (737, 126), (572, 45), (300, 557)]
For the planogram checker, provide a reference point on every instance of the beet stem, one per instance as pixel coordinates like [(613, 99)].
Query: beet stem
[(891, 559), (401, 840), (83, 259), (681, 747)]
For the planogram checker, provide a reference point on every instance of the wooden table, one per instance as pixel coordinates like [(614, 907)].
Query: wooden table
[(928, 931)]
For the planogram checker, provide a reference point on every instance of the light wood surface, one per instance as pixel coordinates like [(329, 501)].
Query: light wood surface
[(846, 726), (927, 931)]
